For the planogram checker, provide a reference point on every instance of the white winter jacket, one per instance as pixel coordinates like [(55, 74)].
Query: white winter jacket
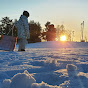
[(22, 27)]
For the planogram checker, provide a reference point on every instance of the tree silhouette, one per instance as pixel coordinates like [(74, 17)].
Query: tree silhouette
[(61, 31), (6, 25), (35, 31), (50, 33)]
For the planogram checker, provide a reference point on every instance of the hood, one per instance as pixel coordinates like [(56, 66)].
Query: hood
[(23, 17)]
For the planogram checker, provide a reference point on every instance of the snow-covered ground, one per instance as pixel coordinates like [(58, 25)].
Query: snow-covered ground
[(45, 65)]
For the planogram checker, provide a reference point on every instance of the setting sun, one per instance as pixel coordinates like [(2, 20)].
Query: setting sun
[(63, 38)]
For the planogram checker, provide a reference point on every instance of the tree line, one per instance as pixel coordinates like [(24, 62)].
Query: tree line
[(37, 33)]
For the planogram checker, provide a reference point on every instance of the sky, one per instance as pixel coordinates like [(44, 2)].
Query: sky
[(70, 13)]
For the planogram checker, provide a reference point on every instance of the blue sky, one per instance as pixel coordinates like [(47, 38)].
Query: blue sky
[(68, 12)]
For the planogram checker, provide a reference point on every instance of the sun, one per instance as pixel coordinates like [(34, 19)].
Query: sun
[(63, 38)]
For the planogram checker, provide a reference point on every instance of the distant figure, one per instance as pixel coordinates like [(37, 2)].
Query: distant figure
[(23, 30), (51, 33)]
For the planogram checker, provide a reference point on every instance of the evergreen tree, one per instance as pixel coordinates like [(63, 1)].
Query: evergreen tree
[(50, 34), (6, 25), (35, 31)]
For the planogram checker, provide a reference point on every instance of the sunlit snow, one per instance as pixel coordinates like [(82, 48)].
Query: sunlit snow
[(45, 65)]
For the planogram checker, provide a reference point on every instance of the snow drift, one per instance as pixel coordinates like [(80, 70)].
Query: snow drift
[(59, 44), (45, 65)]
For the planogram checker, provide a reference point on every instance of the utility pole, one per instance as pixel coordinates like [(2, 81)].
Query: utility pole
[(72, 35), (82, 29)]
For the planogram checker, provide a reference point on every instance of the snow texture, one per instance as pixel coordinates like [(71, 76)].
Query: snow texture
[(22, 80), (45, 65)]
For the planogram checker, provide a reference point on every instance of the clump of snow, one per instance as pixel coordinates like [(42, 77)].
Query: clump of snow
[(54, 61), (6, 83), (83, 77), (72, 70), (51, 62), (42, 85), (65, 84), (71, 67), (22, 80), (83, 74), (48, 63)]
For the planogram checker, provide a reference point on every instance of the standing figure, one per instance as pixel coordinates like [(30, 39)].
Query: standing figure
[(23, 30), (51, 33)]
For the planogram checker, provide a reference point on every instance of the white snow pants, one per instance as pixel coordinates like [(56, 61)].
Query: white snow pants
[(22, 43)]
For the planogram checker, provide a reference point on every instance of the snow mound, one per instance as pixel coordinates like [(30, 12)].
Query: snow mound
[(65, 84), (22, 80), (72, 70), (46, 63), (42, 85), (6, 83), (58, 44), (71, 67), (83, 74), (51, 63)]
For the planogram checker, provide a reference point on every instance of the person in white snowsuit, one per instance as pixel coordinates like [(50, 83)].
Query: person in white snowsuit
[(23, 30)]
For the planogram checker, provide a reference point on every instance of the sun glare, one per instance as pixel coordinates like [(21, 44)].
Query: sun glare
[(63, 38)]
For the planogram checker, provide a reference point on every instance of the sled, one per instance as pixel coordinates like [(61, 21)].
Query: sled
[(8, 43)]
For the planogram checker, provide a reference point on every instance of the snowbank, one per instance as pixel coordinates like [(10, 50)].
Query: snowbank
[(24, 80), (42, 85), (20, 80), (58, 44)]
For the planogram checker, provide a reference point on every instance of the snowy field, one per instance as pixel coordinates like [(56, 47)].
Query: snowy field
[(45, 65)]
